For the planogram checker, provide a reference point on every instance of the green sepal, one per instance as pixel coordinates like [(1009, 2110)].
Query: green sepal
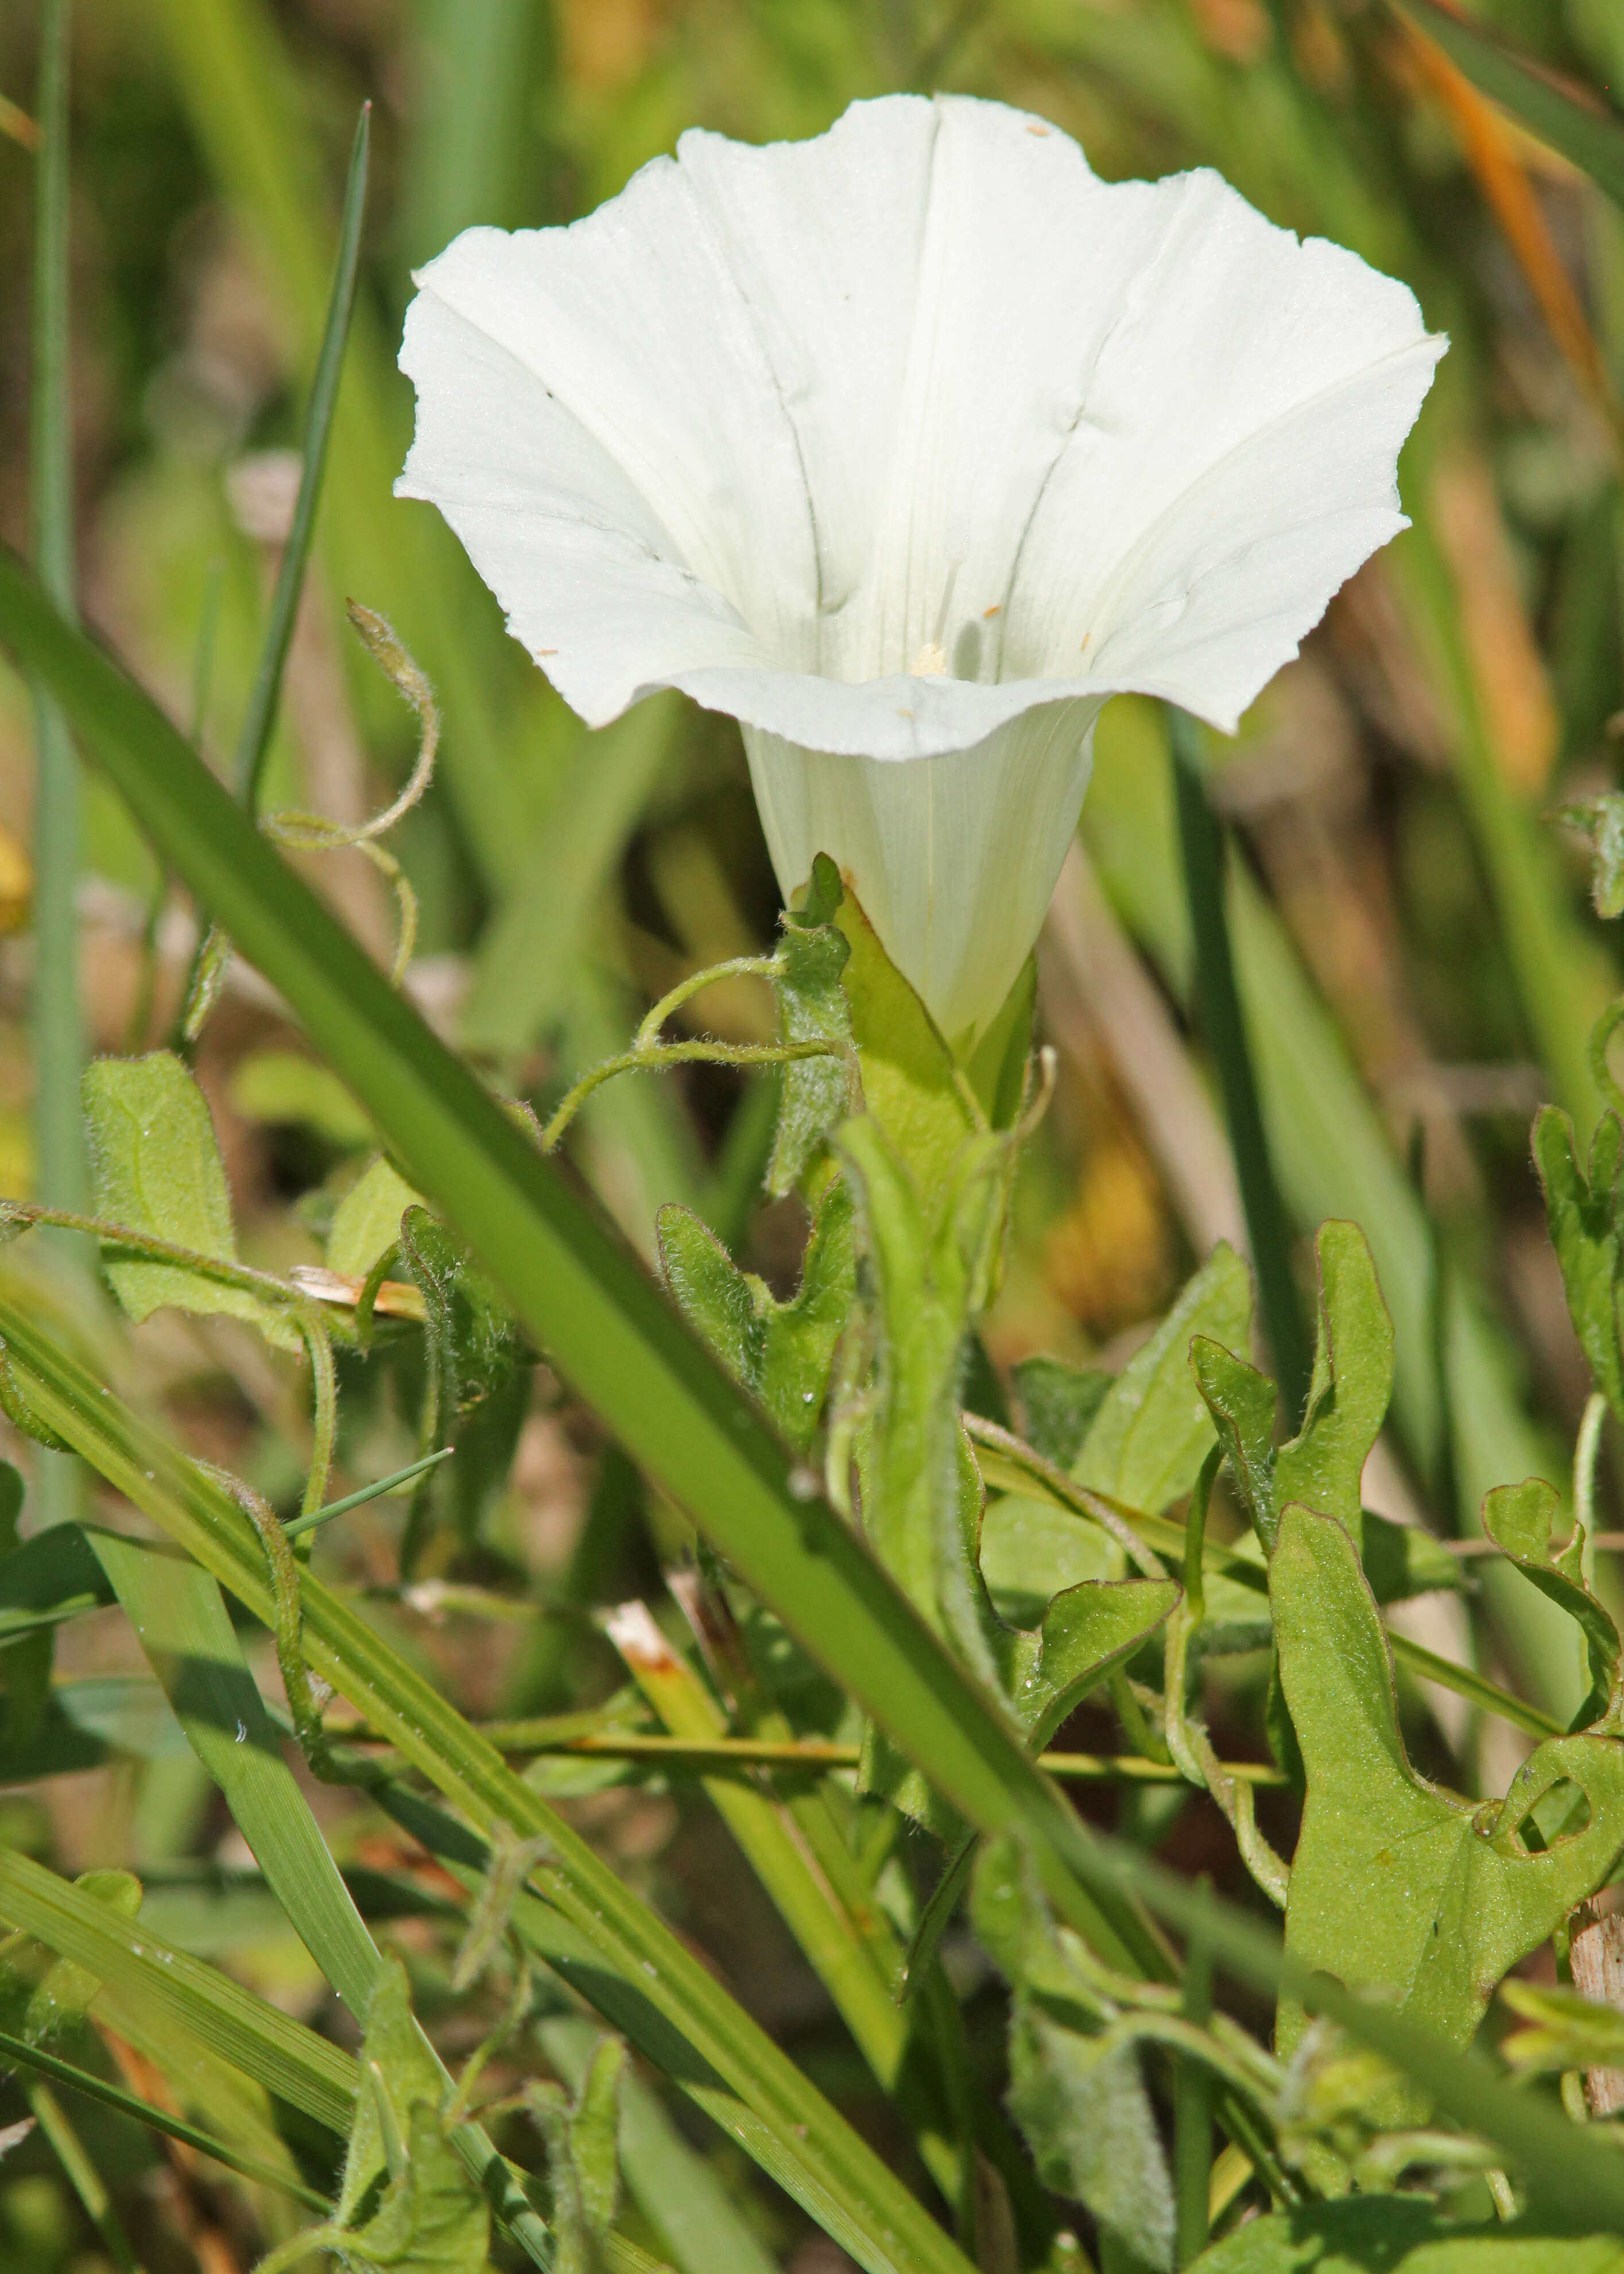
[(911, 1086), (812, 1007), (1518, 1519), (997, 1067)]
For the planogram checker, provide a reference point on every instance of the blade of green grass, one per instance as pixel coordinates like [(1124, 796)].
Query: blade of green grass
[(1575, 123), (270, 2046), (1218, 1008), (604, 1326), (777, 1852), (156, 2120), (82, 2175), (484, 72), (61, 1171), (255, 741)]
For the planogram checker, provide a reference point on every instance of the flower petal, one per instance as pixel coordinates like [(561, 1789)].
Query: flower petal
[(1236, 461)]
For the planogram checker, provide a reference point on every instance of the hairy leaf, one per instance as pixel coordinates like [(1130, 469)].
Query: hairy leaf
[(367, 1222), (158, 1169), (1059, 1405), (780, 1352), (407, 2197), (1078, 2097)]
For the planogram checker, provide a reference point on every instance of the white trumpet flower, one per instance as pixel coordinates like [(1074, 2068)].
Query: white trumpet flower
[(907, 446)]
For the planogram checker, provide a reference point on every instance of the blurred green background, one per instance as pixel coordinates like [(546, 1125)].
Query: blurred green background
[(1420, 963)]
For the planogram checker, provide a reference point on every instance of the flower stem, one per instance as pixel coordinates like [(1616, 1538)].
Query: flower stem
[(1218, 1009)]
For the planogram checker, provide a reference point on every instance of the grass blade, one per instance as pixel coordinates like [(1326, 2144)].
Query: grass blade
[(254, 741), (61, 1172), (1584, 132), (277, 2052), (157, 2119), (1219, 1010)]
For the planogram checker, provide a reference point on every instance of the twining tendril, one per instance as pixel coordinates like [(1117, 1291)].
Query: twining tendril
[(317, 832), (648, 1054)]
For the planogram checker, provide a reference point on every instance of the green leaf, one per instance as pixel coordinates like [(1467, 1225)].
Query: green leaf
[(1087, 1631), (1582, 1214), (616, 1951), (1078, 2097), (812, 1007), (781, 1352), (283, 1085), (1153, 1430), (367, 1222), (1351, 1385), (157, 1169), (1058, 1403), (1401, 1560), (1400, 2234), (694, 2216), (1397, 1885), (1574, 121), (1241, 1403), (148, 1975), (1519, 1519), (180, 1618), (478, 1338), (407, 2197), (52, 1577), (594, 2126)]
